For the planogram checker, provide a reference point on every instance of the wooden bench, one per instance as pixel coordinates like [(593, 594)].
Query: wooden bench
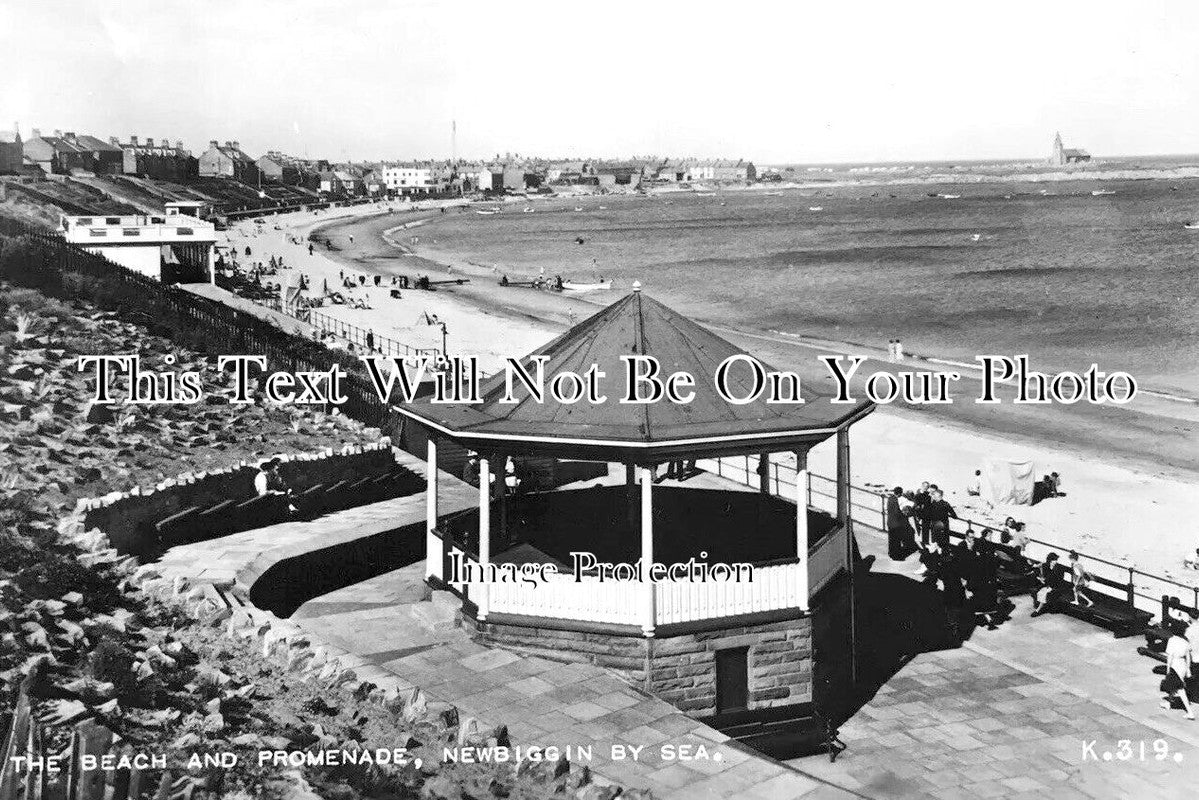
[(310, 502), (782, 732), (1118, 616), (1016, 574), (214, 521), (177, 528), (259, 511), (336, 498)]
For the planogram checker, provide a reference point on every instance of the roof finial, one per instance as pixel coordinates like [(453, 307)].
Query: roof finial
[(636, 286)]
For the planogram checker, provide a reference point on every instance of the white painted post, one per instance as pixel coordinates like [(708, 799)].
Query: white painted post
[(481, 594), (434, 557), (801, 528), (649, 617)]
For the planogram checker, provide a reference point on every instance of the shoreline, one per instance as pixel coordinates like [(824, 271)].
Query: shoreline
[(1129, 473)]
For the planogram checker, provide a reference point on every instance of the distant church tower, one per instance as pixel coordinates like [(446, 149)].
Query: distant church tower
[(1058, 158)]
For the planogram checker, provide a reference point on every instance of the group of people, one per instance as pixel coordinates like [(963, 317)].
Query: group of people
[(916, 518), (968, 573), (270, 481)]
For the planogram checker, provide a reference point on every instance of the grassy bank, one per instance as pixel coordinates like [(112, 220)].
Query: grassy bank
[(85, 644)]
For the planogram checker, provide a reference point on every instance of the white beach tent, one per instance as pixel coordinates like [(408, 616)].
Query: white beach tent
[(1008, 481)]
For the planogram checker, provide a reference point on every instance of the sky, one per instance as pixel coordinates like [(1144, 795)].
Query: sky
[(778, 82)]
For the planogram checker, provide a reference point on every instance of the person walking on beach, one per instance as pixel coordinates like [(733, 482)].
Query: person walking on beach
[(1178, 674), (310, 248)]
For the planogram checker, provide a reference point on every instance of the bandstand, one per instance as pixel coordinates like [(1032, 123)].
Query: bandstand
[(751, 657)]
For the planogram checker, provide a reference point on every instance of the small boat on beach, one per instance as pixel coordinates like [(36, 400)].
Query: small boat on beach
[(1192, 226), (487, 211), (705, 194), (1099, 192), (774, 194), (572, 286), (949, 196), (815, 208), (527, 210), (578, 208)]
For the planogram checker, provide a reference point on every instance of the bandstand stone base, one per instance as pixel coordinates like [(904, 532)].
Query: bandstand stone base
[(678, 664)]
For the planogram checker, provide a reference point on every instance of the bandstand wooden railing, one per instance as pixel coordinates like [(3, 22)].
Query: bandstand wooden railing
[(775, 587)]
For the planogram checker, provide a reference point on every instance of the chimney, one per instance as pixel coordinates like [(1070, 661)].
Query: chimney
[(178, 144), (69, 136), (212, 142), (228, 143), (133, 140), (58, 133), (114, 141), (236, 145), (149, 141)]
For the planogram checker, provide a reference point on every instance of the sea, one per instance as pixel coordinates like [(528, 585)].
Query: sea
[(954, 265)]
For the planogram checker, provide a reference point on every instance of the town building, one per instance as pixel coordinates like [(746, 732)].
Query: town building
[(173, 247), (739, 171), (228, 161), (281, 168), (12, 151), (416, 177), (500, 177), (160, 160), (340, 182), (758, 658), (63, 153), (673, 172), (1061, 156), (623, 173)]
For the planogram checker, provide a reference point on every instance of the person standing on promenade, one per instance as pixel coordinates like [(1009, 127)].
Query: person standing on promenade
[(955, 600), (1178, 673), (938, 512), (920, 509), (1192, 637), (899, 532)]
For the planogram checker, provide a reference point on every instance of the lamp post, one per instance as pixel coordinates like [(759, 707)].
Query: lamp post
[(444, 332)]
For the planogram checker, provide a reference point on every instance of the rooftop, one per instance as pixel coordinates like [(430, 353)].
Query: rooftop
[(637, 325)]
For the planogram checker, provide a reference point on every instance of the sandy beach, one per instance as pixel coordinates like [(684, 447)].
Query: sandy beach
[(1129, 473)]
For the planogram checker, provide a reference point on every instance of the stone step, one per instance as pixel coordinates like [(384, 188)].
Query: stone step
[(436, 615)]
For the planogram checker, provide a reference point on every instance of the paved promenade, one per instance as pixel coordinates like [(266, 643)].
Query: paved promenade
[(244, 557), (1009, 714), (391, 633)]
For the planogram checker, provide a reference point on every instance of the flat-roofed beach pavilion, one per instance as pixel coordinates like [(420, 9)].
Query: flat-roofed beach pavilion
[(737, 653)]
